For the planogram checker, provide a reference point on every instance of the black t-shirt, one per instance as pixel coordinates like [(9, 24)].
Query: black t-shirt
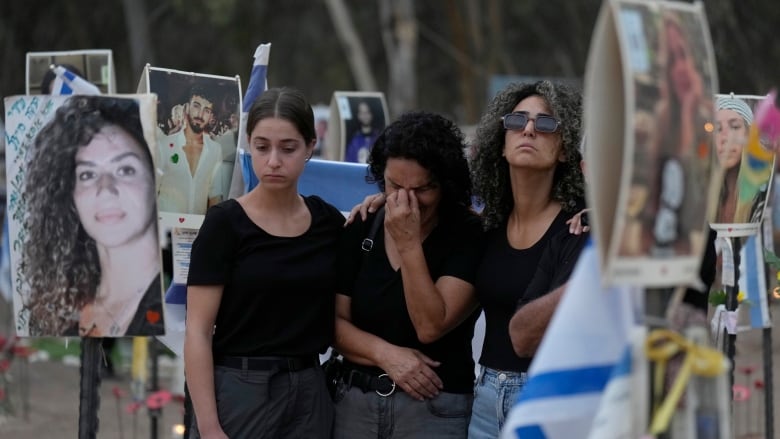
[(502, 278), (556, 265), (148, 318), (707, 272), (379, 307), (279, 295)]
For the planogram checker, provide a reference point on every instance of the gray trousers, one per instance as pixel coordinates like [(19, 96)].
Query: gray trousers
[(369, 415), (265, 404)]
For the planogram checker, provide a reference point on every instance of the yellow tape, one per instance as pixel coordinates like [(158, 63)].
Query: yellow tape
[(140, 357), (661, 346)]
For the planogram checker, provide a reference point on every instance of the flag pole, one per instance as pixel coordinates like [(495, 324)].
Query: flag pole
[(89, 391)]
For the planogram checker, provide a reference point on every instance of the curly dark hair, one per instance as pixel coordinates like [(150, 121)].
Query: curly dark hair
[(490, 170), (59, 259), (434, 142)]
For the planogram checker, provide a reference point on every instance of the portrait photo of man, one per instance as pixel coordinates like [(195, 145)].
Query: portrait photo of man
[(196, 139)]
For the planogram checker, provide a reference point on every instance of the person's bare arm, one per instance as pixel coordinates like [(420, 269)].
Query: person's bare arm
[(408, 368), (529, 323), (434, 307), (202, 306), (213, 201)]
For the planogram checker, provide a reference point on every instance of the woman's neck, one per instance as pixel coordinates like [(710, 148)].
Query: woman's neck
[(129, 269), (531, 192), (280, 201)]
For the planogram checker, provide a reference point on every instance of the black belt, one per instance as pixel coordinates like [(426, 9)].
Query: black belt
[(291, 364), (383, 385)]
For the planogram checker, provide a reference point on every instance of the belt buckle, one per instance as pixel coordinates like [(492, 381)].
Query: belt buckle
[(392, 389)]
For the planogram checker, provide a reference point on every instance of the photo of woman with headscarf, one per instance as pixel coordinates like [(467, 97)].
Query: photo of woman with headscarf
[(732, 125)]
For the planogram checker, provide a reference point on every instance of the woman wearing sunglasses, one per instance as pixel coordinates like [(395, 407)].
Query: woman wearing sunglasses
[(526, 171)]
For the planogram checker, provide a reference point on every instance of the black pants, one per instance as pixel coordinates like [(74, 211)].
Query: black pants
[(272, 404)]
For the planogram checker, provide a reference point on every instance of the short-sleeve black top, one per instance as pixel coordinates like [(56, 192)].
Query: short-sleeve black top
[(378, 303), (502, 278), (556, 265), (279, 292)]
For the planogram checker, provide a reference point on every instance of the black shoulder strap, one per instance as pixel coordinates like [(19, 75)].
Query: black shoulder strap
[(368, 243)]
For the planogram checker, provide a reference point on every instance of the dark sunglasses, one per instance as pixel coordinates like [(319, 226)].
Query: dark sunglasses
[(542, 123)]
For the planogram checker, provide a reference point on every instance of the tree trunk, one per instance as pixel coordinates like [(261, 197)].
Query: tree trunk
[(353, 46), (137, 34), (400, 35), (466, 80)]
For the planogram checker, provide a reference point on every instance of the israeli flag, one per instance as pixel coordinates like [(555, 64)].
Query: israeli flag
[(244, 178), (69, 83), (752, 281), (341, 184), (586, 340)]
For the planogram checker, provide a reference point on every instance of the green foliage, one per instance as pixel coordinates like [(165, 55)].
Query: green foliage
[(57, 348), (772, 259)]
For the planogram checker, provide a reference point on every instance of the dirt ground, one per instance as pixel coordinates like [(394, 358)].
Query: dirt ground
[(53, 398)]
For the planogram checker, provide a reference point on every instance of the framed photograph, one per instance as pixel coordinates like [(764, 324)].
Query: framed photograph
[(95, 65), (197, 134), (746, 163), (356, 119), (650, 86), (85, 249)]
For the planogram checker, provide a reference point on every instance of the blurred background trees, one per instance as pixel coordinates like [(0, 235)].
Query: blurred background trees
[(440, 55)]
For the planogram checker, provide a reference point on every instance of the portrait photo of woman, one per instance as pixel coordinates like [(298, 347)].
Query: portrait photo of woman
[(89, 261)]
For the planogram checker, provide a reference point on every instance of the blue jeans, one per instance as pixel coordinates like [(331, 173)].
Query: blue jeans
[(495, 392), (368, 415)]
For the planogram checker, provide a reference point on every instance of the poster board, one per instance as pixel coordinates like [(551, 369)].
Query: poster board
[(321, 121), (356, 119), (653, 198), (184, 115), (76, 238), (94, 65), (747, 165)]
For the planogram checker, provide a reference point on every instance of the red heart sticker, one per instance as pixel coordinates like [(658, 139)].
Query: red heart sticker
[(152, 316), (730, 229), (181, 219), (170, 145)]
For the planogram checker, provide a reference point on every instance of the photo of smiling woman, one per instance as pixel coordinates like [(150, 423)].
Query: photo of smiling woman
[(91, 257)]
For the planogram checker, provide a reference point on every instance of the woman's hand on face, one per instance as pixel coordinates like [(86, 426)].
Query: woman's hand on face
[(370, 204), (402, 218), (413, 371), (578, 224)]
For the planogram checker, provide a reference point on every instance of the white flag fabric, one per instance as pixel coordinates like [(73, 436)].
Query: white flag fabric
[(244, 178), (69, 83), (586, 339)]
